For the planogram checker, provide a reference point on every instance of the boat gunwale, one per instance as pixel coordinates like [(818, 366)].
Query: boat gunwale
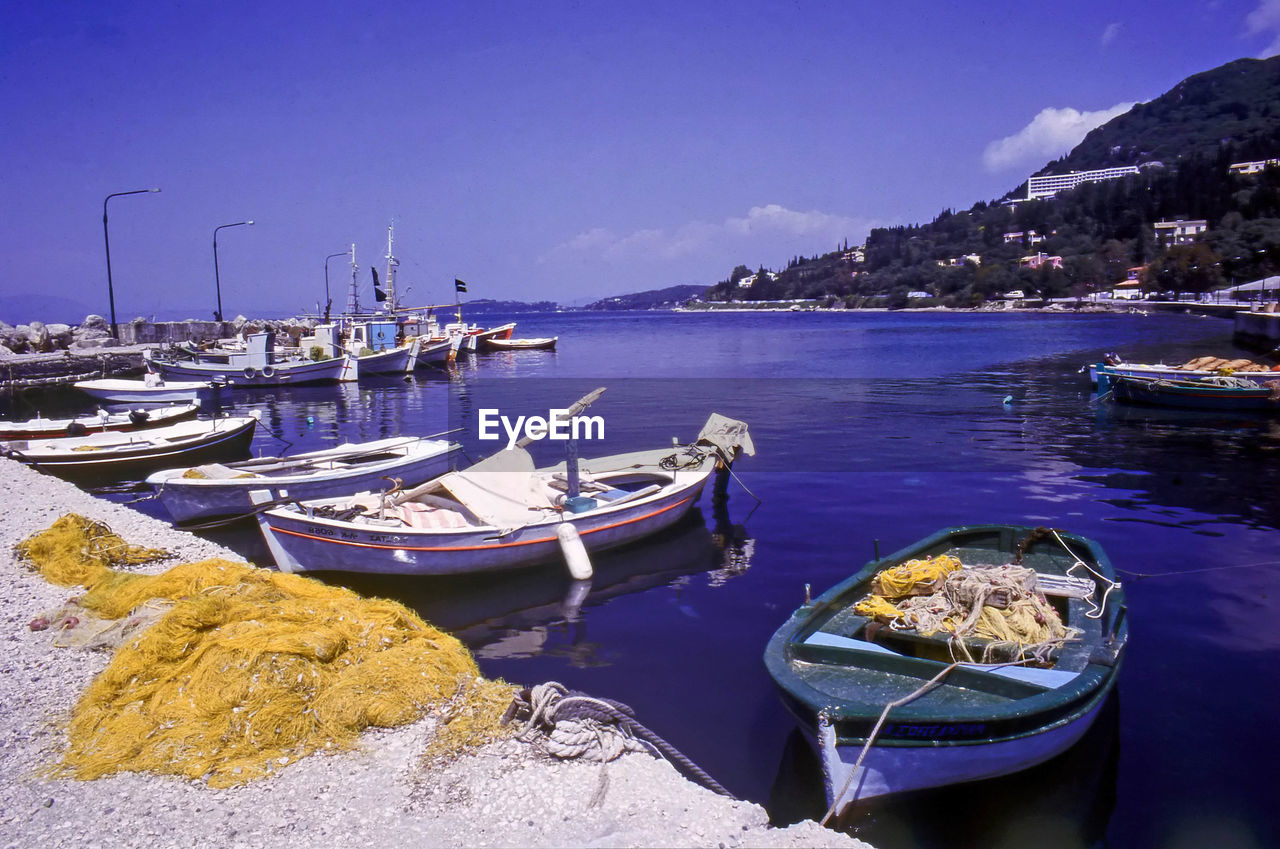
[(170, 477), (140, 449)]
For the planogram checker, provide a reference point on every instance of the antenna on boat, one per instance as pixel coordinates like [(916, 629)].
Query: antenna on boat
[(353, 305), (392, 264)]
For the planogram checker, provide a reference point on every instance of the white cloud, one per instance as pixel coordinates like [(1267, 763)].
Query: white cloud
[(787, 230), (1265, 20), (1109, 34), (1050, 134)]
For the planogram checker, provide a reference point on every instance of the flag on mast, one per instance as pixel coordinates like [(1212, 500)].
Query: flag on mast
[(378, 294), (459, 286)]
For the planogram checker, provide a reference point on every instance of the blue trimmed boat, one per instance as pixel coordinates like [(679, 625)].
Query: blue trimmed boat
[(889, 709), (1226, 394)]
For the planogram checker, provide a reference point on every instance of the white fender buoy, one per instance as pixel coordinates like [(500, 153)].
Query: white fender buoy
[(575, 552)]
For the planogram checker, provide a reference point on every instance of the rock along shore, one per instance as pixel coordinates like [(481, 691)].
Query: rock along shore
[(505, 794)]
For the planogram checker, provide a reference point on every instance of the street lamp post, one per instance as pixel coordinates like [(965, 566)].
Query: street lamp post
[(106, 237), (217, 280), (327, 299)]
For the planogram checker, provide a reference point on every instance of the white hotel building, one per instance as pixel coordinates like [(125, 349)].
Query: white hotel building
[(1051, 184)]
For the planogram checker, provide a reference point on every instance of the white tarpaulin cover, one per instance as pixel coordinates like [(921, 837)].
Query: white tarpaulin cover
[(727, 434), (501, 490)]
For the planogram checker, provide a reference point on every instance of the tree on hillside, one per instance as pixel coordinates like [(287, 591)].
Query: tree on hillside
[(1185, 268)]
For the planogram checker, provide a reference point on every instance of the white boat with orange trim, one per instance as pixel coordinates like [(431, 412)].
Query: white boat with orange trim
[(502, 513)]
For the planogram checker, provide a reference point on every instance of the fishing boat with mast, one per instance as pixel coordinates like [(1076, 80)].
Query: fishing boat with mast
[(392, 337), (260, 364)]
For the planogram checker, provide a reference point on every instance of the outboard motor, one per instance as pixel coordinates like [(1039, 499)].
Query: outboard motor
[(138, 417), (76, 429)]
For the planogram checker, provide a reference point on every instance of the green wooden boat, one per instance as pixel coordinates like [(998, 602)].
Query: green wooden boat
[(850, 682)]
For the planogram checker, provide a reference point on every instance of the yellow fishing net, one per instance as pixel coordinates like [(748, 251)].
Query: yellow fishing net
[(249, 669), (998, 603), (915, 577)]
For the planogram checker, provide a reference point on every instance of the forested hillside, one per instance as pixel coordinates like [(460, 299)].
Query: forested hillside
[(1184, 143)]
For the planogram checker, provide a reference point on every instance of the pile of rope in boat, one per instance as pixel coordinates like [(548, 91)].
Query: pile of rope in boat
[(998, 603), (575, 725), (1230, 382)]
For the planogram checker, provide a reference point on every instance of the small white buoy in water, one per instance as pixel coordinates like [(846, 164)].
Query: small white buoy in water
[(575, 552), (1008, 399)]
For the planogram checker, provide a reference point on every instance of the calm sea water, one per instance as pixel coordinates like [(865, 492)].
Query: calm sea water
[(880, 427)]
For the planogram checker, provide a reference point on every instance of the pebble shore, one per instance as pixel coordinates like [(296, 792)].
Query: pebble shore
[(505, 794)]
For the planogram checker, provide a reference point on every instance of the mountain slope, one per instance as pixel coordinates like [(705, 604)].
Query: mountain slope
[(1237, 103)]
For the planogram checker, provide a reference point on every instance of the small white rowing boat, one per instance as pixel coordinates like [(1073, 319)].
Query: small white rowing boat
[(218, 490)]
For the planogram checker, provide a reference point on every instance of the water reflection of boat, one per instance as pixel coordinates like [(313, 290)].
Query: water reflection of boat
[(1066, 801), (510, 618)]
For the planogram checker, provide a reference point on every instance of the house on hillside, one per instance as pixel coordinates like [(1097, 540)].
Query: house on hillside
[(1180, 231), (1255, 167), (1039, 260), (958, 261)]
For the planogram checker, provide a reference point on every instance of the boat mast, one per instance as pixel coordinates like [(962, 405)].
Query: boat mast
[(392, 264), (353, 305)]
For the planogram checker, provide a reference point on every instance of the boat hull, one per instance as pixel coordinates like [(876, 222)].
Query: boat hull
[(279, 374), (189, 500), (394, 361), (1162, 372), (147, 457), (116, 422), (137, 392), (315, 544), (548, 344), (900, 769), (435, 351), (1189, 395)]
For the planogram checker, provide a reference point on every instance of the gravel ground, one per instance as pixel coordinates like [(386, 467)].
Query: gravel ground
[(506, 794)]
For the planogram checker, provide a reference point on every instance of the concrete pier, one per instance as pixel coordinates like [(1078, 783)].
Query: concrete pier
[(1257, 331)]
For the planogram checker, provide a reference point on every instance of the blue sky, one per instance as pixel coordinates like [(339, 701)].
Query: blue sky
[(539, 151)]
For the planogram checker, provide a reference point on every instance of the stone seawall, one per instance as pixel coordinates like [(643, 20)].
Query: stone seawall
[(1258, 331)]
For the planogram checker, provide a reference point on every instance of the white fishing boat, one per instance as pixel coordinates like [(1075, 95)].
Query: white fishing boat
[(219, 490), (258, 365), (133, 455), (542, 344), (436, 352), (502, 513), (151, 389), (100, 422)]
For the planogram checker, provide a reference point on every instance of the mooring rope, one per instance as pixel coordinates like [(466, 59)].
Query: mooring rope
[(1099, 607), (571, 721)]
